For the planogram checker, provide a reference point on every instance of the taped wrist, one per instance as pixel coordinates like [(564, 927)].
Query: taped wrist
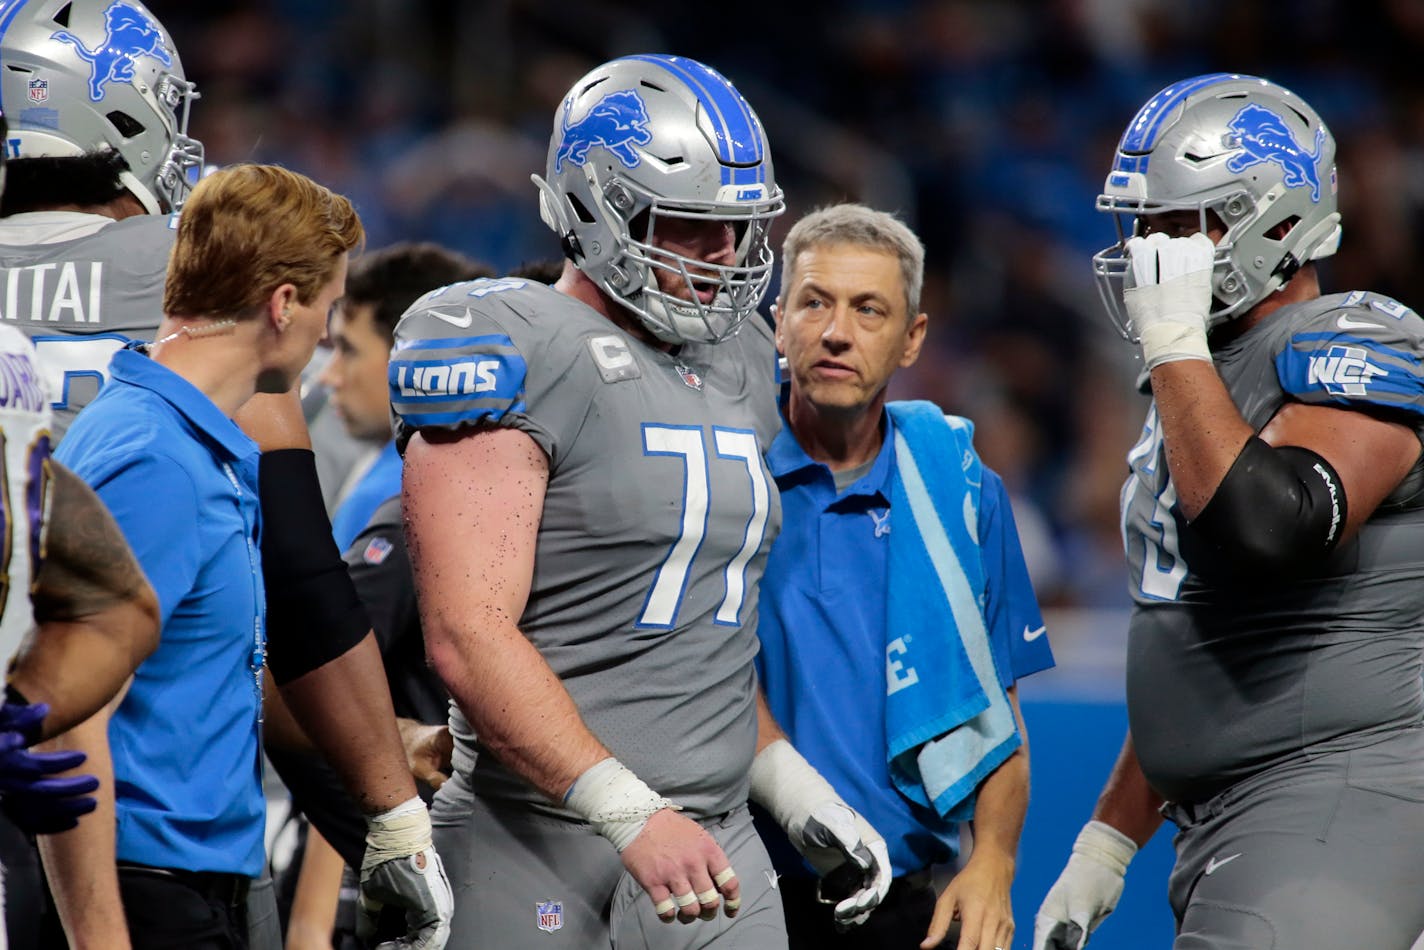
[(1170, 342), (614, 801), (398, 833), (313, 613), (1106, 845), (786, 785), (1276, 509)]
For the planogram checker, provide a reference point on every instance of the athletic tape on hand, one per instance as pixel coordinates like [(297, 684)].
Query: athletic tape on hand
[(615, 801), (398, 833)]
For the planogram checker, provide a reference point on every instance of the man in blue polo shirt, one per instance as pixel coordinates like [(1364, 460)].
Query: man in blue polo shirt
[(258, 262), (889, 656)]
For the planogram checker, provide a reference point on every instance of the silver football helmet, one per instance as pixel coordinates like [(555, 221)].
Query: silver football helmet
[(1241, 148), (646, 138), (80, 75)]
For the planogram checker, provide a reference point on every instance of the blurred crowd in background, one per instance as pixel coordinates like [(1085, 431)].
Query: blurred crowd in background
[(987, 125)]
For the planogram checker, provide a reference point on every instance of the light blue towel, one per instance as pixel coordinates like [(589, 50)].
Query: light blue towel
[(947, 717)]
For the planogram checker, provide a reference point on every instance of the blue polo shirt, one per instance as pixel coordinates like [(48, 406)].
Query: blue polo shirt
[(823, 637), (181, 480), (380, 481)]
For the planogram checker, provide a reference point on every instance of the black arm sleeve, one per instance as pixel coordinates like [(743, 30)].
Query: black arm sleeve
[(313, 613), (1277, 510)]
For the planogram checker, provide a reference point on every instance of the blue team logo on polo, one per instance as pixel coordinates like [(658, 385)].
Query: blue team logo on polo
[(617, 122), (129, 33), (1264, 136)]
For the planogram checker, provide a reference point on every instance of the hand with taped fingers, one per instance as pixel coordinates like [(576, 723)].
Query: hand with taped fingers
[(683, 869), (1168, 295), (674, 859)]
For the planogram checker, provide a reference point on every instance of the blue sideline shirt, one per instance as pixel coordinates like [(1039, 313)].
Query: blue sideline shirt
[(822, 630), (381, 481), (181, 480)]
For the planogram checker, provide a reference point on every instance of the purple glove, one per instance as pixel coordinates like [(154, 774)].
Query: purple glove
[(36, 803)]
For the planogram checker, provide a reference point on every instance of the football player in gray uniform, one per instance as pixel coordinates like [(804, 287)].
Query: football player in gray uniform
[(588, 516), (101, 164), (1274, 531)]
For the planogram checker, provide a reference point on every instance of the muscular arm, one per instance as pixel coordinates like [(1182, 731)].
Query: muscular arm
[(80, 863), (1127, 802), (97, 616), (472, 507), (1204, 433)]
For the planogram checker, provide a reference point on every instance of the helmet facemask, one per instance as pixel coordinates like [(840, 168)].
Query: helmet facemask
[(682, 315)]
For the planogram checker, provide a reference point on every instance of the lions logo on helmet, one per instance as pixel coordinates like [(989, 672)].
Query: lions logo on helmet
[(1265, 137), (129, 33), (616, 122), (1229, 148), (646, 138), (109, 78)]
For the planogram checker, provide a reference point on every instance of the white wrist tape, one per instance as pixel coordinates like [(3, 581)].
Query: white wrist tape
[(615, 801), (785, 784), (1106, 845), (1169, 342), (398, 833)]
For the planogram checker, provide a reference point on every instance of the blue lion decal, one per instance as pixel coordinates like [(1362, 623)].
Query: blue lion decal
[(1264, 136), (128, 34), (617, 122)]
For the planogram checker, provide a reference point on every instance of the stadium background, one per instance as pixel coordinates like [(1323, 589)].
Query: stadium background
[(986, 125)]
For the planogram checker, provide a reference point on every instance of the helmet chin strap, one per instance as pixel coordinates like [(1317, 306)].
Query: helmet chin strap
[(141, 192)]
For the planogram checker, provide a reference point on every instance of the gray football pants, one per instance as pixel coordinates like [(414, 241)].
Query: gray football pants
[(505, 861), (1320, 855)]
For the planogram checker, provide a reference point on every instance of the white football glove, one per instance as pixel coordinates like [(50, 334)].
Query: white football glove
[(402, 868), (1169, 297), (828, 832), (1087, 890)]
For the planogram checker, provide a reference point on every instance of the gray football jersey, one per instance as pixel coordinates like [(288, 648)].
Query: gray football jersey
[(657, 519), (82, 300), (1227, 678)]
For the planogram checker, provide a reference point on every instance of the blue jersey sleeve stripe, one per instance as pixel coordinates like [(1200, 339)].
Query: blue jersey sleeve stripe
[(1374, 346), (420, 420), (453, 342)]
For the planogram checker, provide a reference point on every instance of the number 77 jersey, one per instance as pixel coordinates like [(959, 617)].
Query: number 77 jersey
[(657, 518)]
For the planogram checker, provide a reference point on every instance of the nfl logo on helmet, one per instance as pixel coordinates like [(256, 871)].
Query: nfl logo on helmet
[(39, 90), (549, 915)]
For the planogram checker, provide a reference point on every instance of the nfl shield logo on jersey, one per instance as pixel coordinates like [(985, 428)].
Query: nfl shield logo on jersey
[(376, 551), (689, 376), (549, 915), (39, 90)]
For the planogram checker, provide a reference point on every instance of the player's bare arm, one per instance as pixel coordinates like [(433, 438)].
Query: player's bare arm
[(978, 896), (473, 504), (97, 615)]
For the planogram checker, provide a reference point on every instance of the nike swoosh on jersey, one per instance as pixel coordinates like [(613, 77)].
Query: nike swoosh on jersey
[(1345, 323), (463, 322), (1032, 635), (1215, 863)]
